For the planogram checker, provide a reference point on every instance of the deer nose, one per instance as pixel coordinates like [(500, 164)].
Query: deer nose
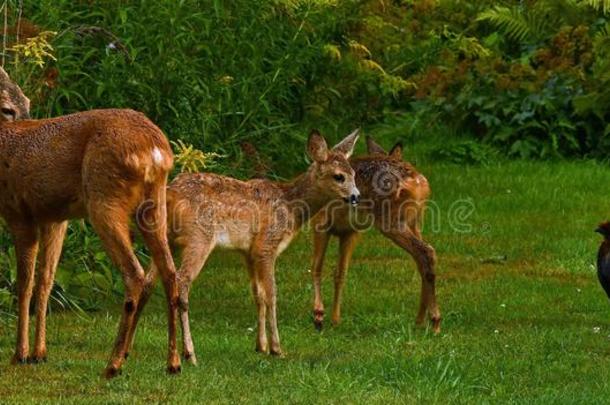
[(354, 199)]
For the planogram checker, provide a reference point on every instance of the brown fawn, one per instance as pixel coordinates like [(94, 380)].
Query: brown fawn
[(109, 166), (258, 218), (394, 196)]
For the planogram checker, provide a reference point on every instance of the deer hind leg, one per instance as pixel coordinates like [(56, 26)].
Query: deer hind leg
[(26, 247), (347, 243), (320, 244), (258, 291), (149, 286), (111, 222), (194, 257), (51, 240), (425, 258), (152, 222)]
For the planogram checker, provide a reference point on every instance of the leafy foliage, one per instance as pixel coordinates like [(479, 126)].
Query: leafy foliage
[(237, 85)]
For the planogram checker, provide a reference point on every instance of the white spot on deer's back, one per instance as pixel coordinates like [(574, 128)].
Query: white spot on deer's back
[(157, 156)]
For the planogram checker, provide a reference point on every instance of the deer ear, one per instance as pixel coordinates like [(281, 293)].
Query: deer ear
[(4, 77), (346, 146), (396, 152), (373, 147), (316, 147)]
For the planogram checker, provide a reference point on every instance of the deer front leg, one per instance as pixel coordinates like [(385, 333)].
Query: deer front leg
[(425, 258), (270, 291), (347, 243), (26, 248), (51, 240), (320, 243), (255, 271)]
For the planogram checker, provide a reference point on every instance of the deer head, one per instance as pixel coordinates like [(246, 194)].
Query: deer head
[(14, 105), (398, 178), (333, 174)]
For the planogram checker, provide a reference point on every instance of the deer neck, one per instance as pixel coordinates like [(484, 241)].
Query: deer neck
[(302, 199)]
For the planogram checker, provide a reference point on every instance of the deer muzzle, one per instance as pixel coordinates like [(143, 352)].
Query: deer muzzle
[(354, 198)]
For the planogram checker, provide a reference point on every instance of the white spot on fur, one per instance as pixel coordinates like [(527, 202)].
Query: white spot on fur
[(223, 239), (157, 156)]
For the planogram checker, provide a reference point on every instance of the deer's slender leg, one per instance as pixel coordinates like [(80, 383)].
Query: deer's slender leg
[(320, 244), (425, 257), (149, 287), (194, 256), (266, 270), (152, 222), (111, 224), (255, 267), (51, 240), (347, 243), (26, 248)]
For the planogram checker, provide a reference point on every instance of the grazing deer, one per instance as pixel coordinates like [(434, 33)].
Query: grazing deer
[(110, 166), (393, 200), (258, 218)]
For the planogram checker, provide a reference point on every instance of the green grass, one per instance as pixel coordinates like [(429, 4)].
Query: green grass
[(524, 330)]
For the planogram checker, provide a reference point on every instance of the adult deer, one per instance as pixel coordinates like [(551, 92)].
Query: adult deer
[(394, 196), (110, 166), (258, 218)]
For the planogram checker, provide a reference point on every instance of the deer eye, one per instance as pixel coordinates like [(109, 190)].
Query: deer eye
[(8, 112), (339, 178)]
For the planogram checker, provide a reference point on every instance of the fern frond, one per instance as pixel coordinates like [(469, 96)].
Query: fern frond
[(359, 49), (598, 5), (369, 64), (511, 21)]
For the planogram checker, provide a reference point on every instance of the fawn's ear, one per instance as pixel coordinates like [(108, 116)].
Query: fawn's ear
[(373, 147), (396, 152), (346, 146), (4, 76), (316, 147)]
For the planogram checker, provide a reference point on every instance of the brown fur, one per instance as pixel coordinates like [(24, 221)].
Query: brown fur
[(258, 218), (394, 195), (108, 165)]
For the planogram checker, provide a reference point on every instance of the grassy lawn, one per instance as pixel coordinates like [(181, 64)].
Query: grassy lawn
[(531, 328)]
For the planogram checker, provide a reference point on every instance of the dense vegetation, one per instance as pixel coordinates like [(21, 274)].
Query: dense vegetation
[(246, 80)]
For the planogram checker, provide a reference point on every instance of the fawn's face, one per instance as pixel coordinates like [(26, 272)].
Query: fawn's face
[(14, 105), (333, 174)]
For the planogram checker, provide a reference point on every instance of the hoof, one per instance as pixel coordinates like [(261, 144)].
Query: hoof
[(190, 357), (261, 350), (19, 360), (37, 359), (318, 324), (436, 325), (112, 372), (277, 353), (175, 369), (126, 355)]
